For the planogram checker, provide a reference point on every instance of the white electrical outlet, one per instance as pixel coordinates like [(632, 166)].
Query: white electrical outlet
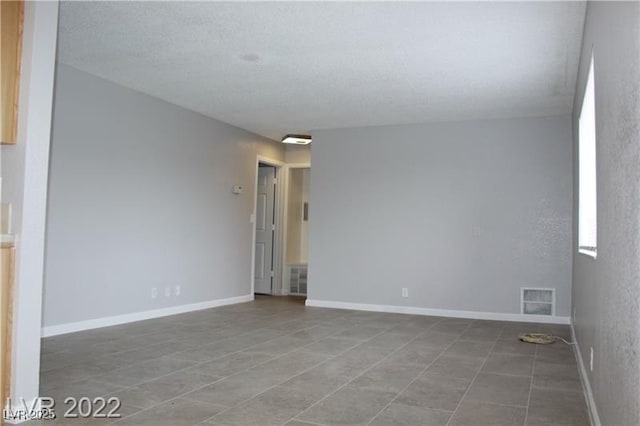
[(167, 291), (405, 292), (177, 290), (154, 292), (591, 359)]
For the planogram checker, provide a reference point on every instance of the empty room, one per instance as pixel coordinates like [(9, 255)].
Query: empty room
[(320, 213)]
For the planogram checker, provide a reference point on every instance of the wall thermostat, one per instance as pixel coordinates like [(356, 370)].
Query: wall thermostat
[(237, 189)]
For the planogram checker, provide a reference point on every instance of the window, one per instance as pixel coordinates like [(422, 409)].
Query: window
[(587, 201)]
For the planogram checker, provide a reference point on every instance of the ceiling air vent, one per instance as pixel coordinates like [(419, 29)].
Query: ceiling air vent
[(538, 301)]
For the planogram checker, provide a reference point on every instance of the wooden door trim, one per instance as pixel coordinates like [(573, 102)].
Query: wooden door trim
[(11, 60), (6, 322)]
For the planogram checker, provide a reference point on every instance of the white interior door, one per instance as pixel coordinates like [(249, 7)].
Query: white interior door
[(265, 229)]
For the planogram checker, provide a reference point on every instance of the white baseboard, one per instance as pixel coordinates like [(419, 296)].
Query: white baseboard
[(586, 385), (55, 330), (438, 312)]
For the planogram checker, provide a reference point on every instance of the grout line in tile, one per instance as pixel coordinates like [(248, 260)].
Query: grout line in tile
[(470, 385), (418, 376), (358, 343), (93, 376), (366, 370), (226, 377), (306, 421), (533, 368)]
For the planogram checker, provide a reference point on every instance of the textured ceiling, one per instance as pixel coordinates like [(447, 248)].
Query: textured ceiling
[(276, 68)]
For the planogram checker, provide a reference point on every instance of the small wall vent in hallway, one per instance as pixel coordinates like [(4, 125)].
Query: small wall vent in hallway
[(298, 279), (538, 301)]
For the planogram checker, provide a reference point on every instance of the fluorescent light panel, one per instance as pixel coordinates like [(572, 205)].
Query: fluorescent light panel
[(297, 139)]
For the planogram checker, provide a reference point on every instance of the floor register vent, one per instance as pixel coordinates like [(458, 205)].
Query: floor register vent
[(538, 301), (298, 279)]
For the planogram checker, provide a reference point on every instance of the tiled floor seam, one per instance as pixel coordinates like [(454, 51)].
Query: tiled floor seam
[(133, 364), (209, 384), (416, 378), (92, 377), (458, 339), (471, 384), (304, 371), (375, 364), (533, 371), (239, 372)]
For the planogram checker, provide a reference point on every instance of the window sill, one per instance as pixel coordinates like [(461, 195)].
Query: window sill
[(587, 252)]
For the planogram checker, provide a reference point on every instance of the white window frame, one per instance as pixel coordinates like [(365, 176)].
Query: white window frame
[(587, 170)]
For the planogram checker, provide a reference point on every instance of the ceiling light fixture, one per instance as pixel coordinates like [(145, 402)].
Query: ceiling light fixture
[(297, 139)]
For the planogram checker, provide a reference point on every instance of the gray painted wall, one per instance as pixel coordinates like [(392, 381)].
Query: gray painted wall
[(298, 153), (606, 291), (140, 197), (462, 214)]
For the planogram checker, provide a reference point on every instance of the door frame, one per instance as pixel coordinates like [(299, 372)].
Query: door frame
[(278, 217), (284, 291)]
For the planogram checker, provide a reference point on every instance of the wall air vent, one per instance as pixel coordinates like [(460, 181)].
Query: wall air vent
[(298, 279), (538, 301)]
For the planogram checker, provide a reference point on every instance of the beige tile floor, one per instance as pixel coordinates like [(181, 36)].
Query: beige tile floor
[(276, 362)]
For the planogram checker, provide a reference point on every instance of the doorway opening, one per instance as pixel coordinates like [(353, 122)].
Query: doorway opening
[(297, 230), (280, 228), (264, 271)]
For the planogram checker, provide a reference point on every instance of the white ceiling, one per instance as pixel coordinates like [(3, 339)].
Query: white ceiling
[(277, 68)]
